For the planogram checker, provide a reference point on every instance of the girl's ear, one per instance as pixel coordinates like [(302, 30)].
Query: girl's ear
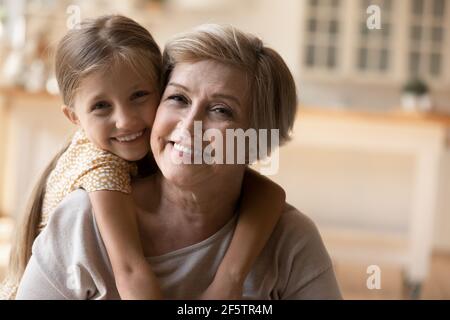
[(70, 114)]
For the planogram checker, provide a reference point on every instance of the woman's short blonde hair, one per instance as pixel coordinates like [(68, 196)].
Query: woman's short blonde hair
[(272, 88)]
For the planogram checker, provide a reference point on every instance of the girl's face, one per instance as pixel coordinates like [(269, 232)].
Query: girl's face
[(116, 110)]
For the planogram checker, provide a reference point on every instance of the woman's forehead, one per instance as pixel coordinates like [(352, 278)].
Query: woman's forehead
[(208, 72), (210, 75)]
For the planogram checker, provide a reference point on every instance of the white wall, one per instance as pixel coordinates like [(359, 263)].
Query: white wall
[(358, 189), (36, 129)]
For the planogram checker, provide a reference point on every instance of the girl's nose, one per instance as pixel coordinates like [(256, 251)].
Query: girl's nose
[(126, 118)]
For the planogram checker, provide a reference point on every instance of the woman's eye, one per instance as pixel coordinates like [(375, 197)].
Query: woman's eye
[(222, 111), (178, 98), (139, 94), (100, 105)]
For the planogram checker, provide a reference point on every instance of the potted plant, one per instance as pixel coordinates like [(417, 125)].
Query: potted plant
[(416, 96)]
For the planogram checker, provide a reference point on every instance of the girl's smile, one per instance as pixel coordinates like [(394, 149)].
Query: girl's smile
[(116, 111)]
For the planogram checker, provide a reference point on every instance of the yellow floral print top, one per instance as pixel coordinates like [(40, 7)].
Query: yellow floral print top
[(83, 165)]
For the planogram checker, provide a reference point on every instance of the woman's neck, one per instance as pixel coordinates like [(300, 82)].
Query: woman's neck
[(175, 217), (211, 204)]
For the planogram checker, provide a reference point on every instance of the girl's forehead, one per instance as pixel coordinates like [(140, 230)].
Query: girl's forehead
[(118, 74)]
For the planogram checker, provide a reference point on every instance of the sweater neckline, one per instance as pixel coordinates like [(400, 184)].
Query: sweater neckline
[(196, 246)]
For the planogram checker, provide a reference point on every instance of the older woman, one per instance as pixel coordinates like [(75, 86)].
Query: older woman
[(187, 212)]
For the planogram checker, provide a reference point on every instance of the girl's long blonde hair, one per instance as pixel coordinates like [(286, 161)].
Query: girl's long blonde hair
[(94, 45)]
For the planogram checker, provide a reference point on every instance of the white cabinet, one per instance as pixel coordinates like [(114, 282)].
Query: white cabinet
[(413, 41)]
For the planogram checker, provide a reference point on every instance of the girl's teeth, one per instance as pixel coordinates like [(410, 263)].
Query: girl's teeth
[(130, 137)]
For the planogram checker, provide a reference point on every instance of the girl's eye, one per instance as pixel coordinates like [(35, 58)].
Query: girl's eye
[(100, 105), (139, 94)]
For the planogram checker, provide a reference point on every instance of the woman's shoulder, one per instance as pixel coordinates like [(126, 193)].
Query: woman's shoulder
[(73, 211), (303, 266), (75, 205), (297, 238), (69, 222), (71, 243), (294, 223)]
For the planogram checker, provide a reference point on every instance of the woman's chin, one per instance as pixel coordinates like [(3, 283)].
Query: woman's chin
[(178, 168), (185, 175)]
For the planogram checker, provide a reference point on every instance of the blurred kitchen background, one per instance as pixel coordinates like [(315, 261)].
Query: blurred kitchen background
[(370, 157)]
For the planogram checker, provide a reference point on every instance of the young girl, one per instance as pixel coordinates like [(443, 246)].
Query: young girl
[(109, 73)]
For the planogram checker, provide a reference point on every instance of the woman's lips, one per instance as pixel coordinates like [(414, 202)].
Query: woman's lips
[(186, 150)]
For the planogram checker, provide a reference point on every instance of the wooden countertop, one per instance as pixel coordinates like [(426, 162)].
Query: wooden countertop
[(398, 115), (10, 93)]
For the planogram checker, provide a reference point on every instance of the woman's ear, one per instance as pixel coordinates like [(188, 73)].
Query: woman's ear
[(70, 114)]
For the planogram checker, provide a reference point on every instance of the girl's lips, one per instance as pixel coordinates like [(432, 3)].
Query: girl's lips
[(129, 138)]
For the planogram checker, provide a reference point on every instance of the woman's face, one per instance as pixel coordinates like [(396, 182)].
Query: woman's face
[(205, 91)]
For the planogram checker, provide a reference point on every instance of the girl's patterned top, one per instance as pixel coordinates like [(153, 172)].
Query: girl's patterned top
[(83, 165)]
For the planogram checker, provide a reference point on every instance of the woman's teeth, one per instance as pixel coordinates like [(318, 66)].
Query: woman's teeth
[(181, 148), (130, 137), (187, 150)]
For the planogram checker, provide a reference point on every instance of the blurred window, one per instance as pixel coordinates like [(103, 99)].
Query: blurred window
[(374, 46), (322, 34), (426, 49), (413, 41)]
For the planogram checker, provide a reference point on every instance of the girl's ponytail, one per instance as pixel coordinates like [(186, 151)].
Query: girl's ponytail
[(26, 230)]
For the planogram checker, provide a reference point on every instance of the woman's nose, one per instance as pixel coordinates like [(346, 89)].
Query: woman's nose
[(126, 118), (188, 120)]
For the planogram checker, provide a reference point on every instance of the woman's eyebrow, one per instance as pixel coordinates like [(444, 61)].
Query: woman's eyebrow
[(228, 97), (174, 84), (216, 95)]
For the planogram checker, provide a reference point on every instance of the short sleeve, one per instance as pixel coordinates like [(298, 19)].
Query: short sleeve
[(311, 274), (322, 286), (107, 172), (305, 267)]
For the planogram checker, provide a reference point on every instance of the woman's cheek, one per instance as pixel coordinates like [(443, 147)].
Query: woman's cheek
[(170, 119)]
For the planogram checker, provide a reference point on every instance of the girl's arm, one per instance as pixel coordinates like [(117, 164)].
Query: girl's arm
[(261, 206), (116, 218)]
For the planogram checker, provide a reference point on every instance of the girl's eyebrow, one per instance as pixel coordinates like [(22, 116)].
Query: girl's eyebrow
[(136, 86), (102, 95), (98, 96)]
